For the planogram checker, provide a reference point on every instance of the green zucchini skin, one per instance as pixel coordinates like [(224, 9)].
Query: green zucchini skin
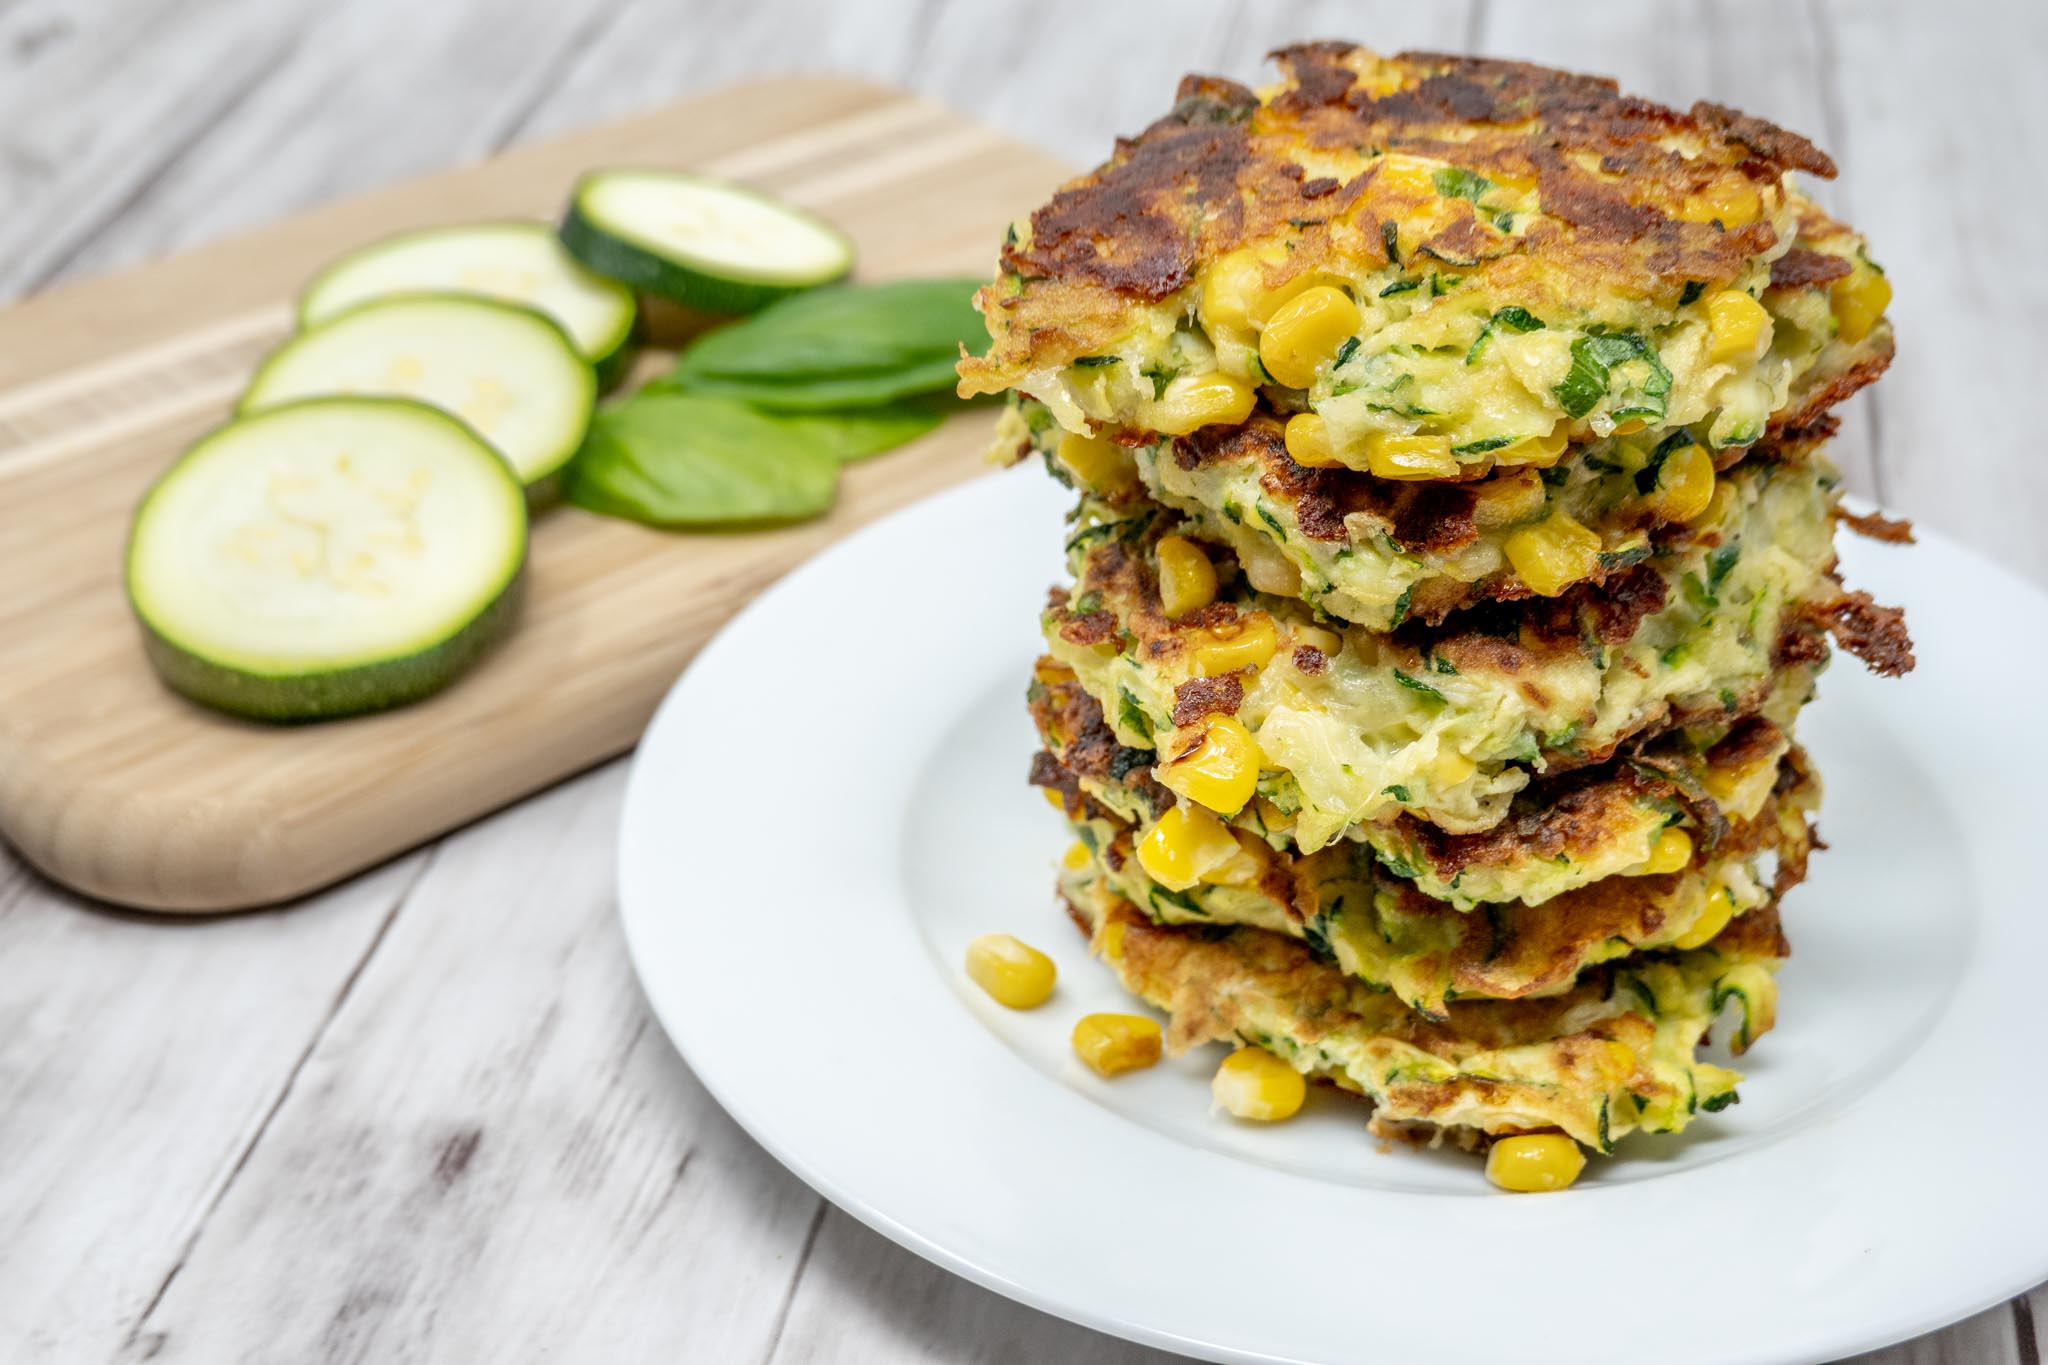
[(642, 268), (304, 697)]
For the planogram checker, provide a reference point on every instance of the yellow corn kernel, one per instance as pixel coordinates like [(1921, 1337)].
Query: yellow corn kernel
[(1013, 972), (1685, 484), (1049, 672), (1247, 866), (1738, 325), (1411, 457), (1112, 1044), (1248, 642), (1732, 201), (1222, 770), (1328, 641), (1553, 554), (1235, 294), (1055, 800), (1308, 442), (1194, 401), (1186, 843), (1098, 462), (1304, 332), (1534, 1162), (1450, 767), (1187, 580), (1718, 505), (1254, 1084), (1720, 909), (1507, 499), (1860, 299), (1407, 174), (1112, 940), (1671, 851), (1537, 452), (1077, 856)]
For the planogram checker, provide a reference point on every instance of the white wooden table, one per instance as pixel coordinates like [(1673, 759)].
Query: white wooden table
[(426, 1116)]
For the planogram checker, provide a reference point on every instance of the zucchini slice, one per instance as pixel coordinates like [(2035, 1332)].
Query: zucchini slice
[(705, 243), (511, 261), (506, 370), (326, 557)]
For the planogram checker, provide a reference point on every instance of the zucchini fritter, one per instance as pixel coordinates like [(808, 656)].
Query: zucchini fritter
[(1615, 1053), (1450, 262)]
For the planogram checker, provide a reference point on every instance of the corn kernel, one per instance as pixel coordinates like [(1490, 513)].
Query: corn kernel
[(1407, 174), (1013, 972), (1537, 452), (1308, 442), (1671, 851), (1720, 909), (1553, 554), (1186, 843), (1112, 1044), (1860, 299), (1098, 462), (1534, 1162), (1317, 637), (1507, 499), (1450, 767), (1685, 484), (1718, 505), (1049, 672), (1411, 457), (1055, 800), (1254, 1084), (1194, 401), (1247, 866), (1738, 325), (1304, 332), (1077, 856), (1112, 940), (1235, 293), (1631, 427), (1248, 642), (1187, 580), (1732, 201), (1222, 771)]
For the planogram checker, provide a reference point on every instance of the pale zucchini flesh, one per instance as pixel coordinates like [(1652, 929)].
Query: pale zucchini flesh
[(505, 370), (700, 242), (515, 262), (326, 557)]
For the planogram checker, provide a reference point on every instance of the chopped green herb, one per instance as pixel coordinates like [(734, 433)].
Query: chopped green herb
[(1455, 182), (1400, 287), (1160, 377), (1417, 685), (1132, 716), (1401, 607), (1482, 446), (1092, 362), (1646, 477), (1595, 360), (1442, 665), (1397, 791), (1714, 1104), (1390, 237), (1346, 351), (1691, 293), (1719, 564)]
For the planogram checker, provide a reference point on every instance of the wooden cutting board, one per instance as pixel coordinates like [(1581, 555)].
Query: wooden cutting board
[(124, 791)]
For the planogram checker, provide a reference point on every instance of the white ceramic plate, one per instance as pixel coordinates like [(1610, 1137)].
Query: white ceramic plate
[(831, 803)]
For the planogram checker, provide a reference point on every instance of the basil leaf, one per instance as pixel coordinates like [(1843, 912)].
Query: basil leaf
[(815, 393), (690, 460), (844, 330)]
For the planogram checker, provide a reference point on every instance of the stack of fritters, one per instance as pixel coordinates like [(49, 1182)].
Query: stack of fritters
[(1453, 557)]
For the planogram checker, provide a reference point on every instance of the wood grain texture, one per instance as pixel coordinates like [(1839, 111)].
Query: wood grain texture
[(139, 1060), (112, 785)]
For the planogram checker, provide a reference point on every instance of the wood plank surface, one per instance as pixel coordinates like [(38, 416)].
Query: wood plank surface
[(115, 787), (302, 1079)]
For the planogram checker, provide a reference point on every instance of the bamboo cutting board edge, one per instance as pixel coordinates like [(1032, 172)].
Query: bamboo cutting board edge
[(126, 793)]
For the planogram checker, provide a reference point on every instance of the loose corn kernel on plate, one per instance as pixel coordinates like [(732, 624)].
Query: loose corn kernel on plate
[(1881, 1160)]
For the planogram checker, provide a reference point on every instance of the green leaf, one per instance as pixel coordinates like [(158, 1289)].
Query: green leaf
[(859, 329), (814, 394), (1414, 684), (1596, 359), (1455, 182), (858, 433), (687, 460)]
